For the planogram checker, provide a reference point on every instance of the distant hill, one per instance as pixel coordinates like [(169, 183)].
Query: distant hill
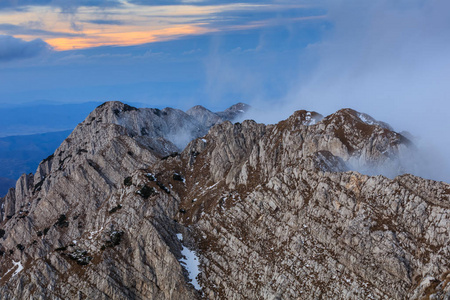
[(5, 184), (22, 154), (40, 118)]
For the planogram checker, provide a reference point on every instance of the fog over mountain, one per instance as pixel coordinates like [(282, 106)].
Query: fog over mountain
[(389, 59)]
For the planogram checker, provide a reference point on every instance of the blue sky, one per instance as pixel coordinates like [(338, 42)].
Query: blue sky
[(388, 58), (197, 48)]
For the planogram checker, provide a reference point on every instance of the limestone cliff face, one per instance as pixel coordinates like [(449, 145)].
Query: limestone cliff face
[(269, 211)]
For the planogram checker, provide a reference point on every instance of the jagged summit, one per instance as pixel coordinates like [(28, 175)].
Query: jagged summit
[(206, 116), (173, 126), (233, 111), (203, 115), (123, 210), (301, 117), (347, 115)]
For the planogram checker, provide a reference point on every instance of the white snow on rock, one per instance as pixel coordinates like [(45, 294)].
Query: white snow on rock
[(210, 187), (309, 120), (204, 141), (190, 262), (19, 267), (94, 233), (366, 119)]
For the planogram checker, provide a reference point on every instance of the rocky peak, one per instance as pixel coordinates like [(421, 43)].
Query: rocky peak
[(111, 111), (234, 111), (204, 115), (301, 117), (263, 212), (238, 107), (365, 124), (367, 142)]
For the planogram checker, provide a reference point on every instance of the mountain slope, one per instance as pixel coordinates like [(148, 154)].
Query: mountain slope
[(270, 212)]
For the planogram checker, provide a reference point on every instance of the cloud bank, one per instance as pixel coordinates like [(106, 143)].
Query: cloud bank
[(12, 48), (68, 6)]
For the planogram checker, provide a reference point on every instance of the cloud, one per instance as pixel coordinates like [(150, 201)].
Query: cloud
[(11, 29), (105, 22), (92, 23), (16, 4), (71, 6), (12, 48), (67, 6), (189, 2), (390, 59), (126, 38)]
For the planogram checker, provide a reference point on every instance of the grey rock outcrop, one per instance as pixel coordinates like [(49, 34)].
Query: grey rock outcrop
[(204, 115), (209, 118), (268, 211), (9, 204), (162, 132), (234, 111)]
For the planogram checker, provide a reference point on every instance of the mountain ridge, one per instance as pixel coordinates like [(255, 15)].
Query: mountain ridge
[(270, 211)]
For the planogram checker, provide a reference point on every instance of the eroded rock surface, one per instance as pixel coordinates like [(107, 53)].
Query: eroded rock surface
[(269, 212)]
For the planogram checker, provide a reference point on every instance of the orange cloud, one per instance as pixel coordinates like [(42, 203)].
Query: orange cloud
[(139, 24), (126, 38)]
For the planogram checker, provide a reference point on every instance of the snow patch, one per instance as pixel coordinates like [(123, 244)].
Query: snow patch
[(210, 187), (309, 120), (17, 265), (366, 119), (150, 175), (204, 141), (19, 268), (93, 233), (190, 262)]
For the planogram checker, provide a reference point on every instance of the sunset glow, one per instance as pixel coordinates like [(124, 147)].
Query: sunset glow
[(128, 38), (124, 25)]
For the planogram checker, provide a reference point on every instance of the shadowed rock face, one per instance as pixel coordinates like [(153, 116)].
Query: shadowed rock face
[(270, 211)]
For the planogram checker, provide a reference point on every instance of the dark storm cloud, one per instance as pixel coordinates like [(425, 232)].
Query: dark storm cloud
[(12, 48)]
